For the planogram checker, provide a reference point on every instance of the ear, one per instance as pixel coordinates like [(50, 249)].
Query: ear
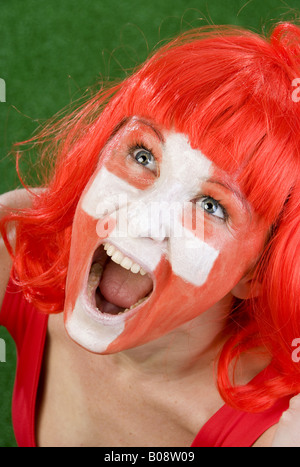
[(247, 287)]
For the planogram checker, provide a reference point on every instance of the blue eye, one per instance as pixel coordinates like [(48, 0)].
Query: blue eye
[(145, 158), (213, 207)]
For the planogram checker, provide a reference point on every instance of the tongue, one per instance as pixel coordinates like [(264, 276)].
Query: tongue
[(123, 288)]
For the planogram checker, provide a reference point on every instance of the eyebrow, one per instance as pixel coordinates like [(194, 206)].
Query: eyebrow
[(139, 120), (156, 130), (233, 190)]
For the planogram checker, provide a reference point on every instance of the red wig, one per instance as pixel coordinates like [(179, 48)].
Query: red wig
[(231, 92)]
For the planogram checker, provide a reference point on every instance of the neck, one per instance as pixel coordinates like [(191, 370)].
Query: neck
[(194, 345)]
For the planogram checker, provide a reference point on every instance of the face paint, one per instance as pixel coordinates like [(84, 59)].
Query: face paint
[(146, 204)]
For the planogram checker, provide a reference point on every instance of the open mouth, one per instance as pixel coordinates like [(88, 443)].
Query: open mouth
[(116, 283)]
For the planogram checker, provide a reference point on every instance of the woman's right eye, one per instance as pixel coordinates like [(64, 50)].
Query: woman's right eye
[(144, 157)]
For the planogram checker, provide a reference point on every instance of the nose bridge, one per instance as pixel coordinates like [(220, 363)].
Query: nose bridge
[(155, 213)]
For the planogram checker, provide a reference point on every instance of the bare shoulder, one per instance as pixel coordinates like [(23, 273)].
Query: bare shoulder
[(266, 439), (17, 199)]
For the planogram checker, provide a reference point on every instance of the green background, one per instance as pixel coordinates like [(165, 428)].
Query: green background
[(51, 51)]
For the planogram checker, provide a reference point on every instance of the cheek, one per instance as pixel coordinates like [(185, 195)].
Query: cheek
[(85, 240), (130, 172), (192, 259), (238, 255), (238, 248), (194, 253), (106, 193)]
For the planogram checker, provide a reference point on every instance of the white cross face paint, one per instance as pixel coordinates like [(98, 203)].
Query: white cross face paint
[(146, 204), (157, 212)]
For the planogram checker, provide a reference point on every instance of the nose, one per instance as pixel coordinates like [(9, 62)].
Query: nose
[(154, 219)]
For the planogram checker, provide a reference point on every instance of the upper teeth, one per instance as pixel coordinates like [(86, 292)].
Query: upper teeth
[(118, 257)]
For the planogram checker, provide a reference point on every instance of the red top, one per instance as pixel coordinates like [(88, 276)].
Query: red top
[(28, 327)]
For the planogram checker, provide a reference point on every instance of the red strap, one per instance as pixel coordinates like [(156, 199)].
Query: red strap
[(229, 427), (28, 327)]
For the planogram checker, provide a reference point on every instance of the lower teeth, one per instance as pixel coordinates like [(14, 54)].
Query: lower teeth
[(94, 278), (135, 305)]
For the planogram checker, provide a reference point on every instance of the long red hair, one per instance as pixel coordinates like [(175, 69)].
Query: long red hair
[(231, 92)]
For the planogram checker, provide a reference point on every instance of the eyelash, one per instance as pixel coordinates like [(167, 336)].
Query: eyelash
[(219, 205), (137, 146), (152, 166)]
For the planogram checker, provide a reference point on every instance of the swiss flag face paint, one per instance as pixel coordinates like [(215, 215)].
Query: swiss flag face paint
[(159, 205)]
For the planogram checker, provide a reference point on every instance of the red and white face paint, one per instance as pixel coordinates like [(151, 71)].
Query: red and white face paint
[(159, 236)]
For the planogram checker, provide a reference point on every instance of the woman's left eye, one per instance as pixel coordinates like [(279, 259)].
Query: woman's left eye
[(212, 207), (145, 158)]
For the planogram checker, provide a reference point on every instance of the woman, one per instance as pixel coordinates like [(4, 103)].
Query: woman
[(154, 276)]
